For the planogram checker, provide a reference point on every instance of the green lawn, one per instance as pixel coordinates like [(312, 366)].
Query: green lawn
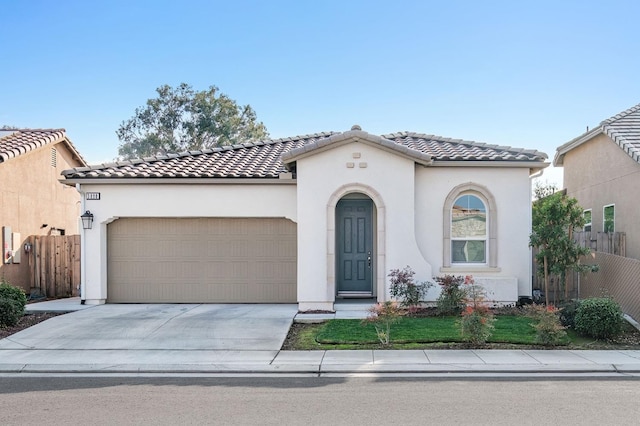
[(508, 329), (409, 333)]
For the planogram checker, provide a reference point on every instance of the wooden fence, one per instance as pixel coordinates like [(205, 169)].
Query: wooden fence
[(603, 242), (54, 264)]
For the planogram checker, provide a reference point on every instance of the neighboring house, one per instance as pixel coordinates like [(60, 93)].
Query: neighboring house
[(602, 171), (32, 199), (309, 219)]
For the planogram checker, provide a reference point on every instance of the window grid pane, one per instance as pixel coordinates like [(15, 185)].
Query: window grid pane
[(469, 251)]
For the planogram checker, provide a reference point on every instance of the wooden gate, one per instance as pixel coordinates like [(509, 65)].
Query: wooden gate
[(54, 263)]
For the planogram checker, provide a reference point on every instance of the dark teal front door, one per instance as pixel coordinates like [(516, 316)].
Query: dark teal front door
[(354, 247)]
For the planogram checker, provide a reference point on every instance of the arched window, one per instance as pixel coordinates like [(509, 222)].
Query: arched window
[(469, 230)]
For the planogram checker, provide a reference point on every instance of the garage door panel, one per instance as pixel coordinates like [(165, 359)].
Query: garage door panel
[(199, 260)]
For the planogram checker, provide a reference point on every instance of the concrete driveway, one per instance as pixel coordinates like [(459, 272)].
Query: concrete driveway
[(162, 327)]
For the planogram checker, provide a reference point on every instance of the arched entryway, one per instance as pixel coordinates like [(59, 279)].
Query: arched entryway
[(358, 191)]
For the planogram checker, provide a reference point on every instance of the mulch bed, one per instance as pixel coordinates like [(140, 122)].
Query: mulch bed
[(26, 321)]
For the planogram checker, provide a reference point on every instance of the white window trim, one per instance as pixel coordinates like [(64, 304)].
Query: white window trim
[(492, 229), (590, 223), (614, 217)]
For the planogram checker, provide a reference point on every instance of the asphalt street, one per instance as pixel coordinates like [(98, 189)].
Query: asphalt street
[(316, 401)]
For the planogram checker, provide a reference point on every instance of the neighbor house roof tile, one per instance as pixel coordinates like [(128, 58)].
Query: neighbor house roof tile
[(16, 142), (623, 129), (264, 159)]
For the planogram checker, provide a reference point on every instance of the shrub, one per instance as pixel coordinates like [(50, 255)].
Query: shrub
[(599, 317), (13, 293), (476, 324), (10, 312), (567, 313), (549, 330), (383, 315), (404, 287), (452, 296)]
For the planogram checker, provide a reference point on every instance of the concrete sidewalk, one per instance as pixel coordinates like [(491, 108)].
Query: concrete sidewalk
[(321, 362), (18, 357)]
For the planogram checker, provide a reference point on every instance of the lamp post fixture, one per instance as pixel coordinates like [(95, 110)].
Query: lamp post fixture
[(87, 220)]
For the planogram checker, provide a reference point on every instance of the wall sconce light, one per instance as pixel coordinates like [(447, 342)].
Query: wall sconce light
[(27, 247), (87, 220)]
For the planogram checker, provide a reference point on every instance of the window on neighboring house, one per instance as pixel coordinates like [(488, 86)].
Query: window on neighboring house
[(587, 220), (468, 230), (609, 218)]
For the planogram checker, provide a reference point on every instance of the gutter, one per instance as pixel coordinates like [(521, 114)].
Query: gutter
[(283, 179), (558, 159)]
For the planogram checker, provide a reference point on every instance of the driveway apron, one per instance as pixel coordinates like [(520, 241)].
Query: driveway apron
[(161, 327)]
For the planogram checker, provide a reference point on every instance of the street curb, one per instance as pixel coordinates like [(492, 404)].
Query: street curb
[(313, 369)]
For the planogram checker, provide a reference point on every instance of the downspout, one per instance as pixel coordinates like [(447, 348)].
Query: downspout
[(83, 257), (530, 222)]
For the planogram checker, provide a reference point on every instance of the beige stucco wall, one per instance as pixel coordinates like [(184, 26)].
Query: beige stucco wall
[(171, 200), (598, 173), (30, 196)]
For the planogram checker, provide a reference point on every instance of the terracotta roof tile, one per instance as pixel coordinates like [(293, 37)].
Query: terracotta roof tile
[(16, 142), (264, 159)]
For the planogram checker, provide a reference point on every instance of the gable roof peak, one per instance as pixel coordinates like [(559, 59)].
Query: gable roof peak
[(621, 115), (16, 141), (623, 129)]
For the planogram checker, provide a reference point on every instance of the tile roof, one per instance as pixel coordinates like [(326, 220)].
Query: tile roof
[(447, 149), (264, 159), (15, 142), (623, 129)]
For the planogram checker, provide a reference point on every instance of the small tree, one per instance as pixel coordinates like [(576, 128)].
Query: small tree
[(383, 315), (476, 323), (554, 217)]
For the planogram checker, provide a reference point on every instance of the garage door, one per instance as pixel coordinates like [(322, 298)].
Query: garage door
[(201, 260)]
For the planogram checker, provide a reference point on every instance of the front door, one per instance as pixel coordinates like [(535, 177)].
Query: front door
[(354, 248)]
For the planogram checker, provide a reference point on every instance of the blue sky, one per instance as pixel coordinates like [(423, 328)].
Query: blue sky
[(529, 74)]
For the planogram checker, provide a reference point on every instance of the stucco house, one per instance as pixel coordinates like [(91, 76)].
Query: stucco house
[(32, 199), (310, 219), (602, 171)]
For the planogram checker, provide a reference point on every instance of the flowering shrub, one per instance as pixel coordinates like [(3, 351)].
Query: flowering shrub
[(404, 287), (549, 329), (476, 324), (452, 296), (383, 315)]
